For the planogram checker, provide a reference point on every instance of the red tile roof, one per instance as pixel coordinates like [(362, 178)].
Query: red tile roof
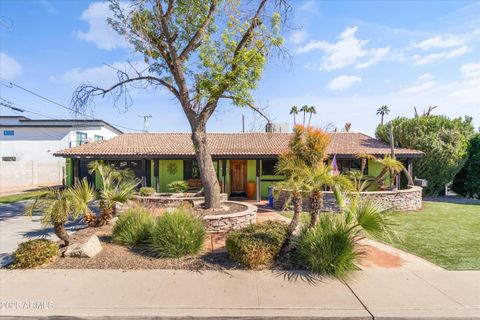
[(152, 145)]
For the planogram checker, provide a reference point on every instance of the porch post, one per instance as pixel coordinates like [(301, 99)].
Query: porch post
[(156, 170), (76, 170), (410, 167), (144, 172), (257, 170), (224, 174)]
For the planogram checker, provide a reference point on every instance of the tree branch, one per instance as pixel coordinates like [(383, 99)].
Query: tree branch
[(248, 104), (196, 40)]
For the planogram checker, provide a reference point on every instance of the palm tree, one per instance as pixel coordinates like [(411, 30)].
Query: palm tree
[(391, 166), (57, 206), (304, 109), (382, 111), (82, 194), (294, 111), (316, 180), (312, 111)]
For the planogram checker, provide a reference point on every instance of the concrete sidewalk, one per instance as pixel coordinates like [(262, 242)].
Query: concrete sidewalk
[(146, 294)]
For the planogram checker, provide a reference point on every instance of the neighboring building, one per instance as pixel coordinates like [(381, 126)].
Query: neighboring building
[(27, 145), (160, 158)]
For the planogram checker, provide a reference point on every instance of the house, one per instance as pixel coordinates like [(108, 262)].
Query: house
[(160, 158), (27, 147)]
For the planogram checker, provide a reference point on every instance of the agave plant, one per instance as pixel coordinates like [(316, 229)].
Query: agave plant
[(82, 194), (58, 207)]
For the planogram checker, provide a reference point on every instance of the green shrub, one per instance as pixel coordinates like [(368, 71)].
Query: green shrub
[(133, 227), (330, 248), (467, 181), (258, 244), (176, 234), (178, 186), (34, 253), (444, 142), (146, 191)]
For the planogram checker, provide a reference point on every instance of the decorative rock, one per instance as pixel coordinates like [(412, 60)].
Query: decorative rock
[(89, 249)]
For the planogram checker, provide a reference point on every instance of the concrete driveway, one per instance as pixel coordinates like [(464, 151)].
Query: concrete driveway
[(15, 228)]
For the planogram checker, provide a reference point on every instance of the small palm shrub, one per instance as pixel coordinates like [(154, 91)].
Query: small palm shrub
[(329, 248), (257, 244), (176, 234), (146, 191), (34, 253), (178, 186), (133, 227)]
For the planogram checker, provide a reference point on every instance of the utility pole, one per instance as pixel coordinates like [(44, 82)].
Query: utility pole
[(145, 121)]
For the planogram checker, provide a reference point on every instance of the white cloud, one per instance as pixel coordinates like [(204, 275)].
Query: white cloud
[(439, 42), (470, 70), (298, 36), (102, 76), (9, 67), (99, 31), (308, 5), (440, 56), (425, 77), (343, 82), (348, 50), (424, 83)]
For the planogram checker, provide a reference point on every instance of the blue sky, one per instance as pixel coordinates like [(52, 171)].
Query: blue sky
[(347, 59)]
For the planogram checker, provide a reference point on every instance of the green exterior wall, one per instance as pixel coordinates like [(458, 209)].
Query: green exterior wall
[(98, 181), (374, 169), (166, 177), (69, 172)]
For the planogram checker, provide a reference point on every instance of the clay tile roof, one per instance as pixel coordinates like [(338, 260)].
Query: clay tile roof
[(151, 145)]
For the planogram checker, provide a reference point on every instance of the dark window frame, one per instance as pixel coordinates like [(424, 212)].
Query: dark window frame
[(269, 169)]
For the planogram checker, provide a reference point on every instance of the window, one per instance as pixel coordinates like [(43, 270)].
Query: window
[(8, 132), (268, 167), (81, 138), (98, 138), (348, 165), (9, 158), (190, 170)]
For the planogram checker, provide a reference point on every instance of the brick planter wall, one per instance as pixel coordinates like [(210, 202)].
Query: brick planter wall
[(231, 221), (400, 200)]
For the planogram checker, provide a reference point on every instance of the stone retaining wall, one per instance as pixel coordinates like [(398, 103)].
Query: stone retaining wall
[(400, 200), (164, 201), (220, 223)]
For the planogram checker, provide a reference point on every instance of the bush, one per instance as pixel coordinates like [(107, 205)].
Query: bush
[(133, 227), (178, 186), (467, 181), (257, 244), (34, 253), (146, 191), (176, 234), (330, 248), (443, 140)]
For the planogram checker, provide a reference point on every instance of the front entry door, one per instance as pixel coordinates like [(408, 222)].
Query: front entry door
[(238, 176)]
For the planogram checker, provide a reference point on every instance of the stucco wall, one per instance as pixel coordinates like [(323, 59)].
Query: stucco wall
[(400, 200), (30, 173)]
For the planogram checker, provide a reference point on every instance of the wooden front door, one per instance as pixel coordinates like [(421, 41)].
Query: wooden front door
[(238, 176)]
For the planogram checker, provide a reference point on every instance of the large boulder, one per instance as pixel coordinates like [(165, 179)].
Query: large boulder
[(88, 249)]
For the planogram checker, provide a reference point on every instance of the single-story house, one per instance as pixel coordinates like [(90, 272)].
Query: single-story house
[(160, 158)]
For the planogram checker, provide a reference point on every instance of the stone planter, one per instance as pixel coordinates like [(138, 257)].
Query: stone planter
[(398, 200), (219, 223), (165, 200)]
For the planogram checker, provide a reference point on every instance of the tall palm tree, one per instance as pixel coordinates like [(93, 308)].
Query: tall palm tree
[(382, 111), (57, 207), (304, 109), (294, 110), (312, 111), (82, 194)]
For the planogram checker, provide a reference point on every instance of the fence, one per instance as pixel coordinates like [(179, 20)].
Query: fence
[(14, 174)]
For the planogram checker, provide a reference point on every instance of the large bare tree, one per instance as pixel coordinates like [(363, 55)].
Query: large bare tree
[(201, 51)]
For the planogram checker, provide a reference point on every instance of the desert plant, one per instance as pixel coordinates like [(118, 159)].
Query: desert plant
[(133, 226), (82, 194), (34, 253), (257, 244), (178, 186), (391, 166), (57, 206), (146, 191), (176, 234)]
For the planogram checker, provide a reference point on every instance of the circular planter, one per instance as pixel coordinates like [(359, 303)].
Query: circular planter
[(219, 223)]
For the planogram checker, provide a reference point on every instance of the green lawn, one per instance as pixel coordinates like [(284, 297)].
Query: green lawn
[(444, 233), (20, 197)]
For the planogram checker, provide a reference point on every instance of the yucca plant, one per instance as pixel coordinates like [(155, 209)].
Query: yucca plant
[(82, 194), (57, 207)]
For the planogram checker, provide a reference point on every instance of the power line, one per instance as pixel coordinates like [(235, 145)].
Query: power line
[(61, 105)]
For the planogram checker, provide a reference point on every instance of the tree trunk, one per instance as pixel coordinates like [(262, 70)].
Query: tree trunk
[(62, 234), (363, 165), (297, 211), (316, 204), (207, 171)]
